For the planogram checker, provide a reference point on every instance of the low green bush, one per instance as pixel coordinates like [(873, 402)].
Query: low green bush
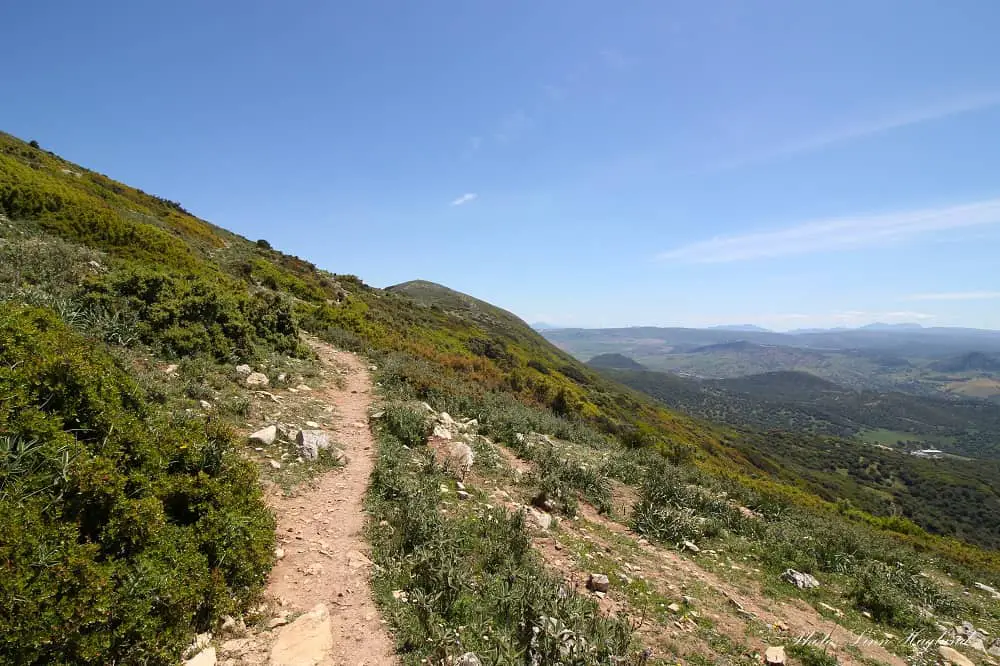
[(197, 313), (410, 427), (122, 531)]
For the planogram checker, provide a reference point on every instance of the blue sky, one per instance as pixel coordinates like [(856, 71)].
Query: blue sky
[(783, 163)]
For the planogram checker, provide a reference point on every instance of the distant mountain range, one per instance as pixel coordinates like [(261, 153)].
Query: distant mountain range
[(739, 327), (885, 357)]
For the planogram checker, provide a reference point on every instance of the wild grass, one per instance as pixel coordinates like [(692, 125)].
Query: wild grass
[(463, 578)]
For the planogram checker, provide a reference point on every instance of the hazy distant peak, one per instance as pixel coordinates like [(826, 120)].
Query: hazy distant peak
[(740, 327)]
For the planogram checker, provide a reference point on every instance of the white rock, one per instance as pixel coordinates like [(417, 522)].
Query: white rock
[(539, 519), (303, 387), (468, 659), (275, 464), (205, 404), (304, 642), (312, 424), (203, 658), (775, 655), (170, 369), (598, 583), (311, 442), (441, 432), (243, 369), (445, 418), (690, 545), (460, 459), (426, 407), (279, 553), (201, 641), (952, 657), (265, 436), (803, 581), (257, 380)]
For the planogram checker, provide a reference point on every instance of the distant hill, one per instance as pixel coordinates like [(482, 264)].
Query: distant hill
[(881, 326), (738, 346), (614, 362), (890, 357), (785, 384), (971, 362), (739, 327), (799, 401)]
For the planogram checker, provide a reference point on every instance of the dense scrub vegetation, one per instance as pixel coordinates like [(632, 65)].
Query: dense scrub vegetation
[(122, 528)]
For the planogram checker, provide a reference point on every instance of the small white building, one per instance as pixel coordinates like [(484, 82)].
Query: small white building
[(928, 453)]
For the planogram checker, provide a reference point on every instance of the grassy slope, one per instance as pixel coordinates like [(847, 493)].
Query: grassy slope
[(450, 338)]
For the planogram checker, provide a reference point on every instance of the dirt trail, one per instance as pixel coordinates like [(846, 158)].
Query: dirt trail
[(320, 529)]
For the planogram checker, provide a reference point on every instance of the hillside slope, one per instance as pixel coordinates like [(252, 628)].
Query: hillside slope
[(91, 264)]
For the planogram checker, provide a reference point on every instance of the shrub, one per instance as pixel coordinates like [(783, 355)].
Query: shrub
[(877, 591), (407, 425), (123, 531), (192, 314)]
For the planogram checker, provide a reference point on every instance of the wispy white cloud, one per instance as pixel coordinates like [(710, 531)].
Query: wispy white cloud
[(955, 296), (464, 199), (836, 234), (857, 130)]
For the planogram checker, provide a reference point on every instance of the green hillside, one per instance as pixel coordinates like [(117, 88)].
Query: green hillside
[(801, 402), (121, 506)]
